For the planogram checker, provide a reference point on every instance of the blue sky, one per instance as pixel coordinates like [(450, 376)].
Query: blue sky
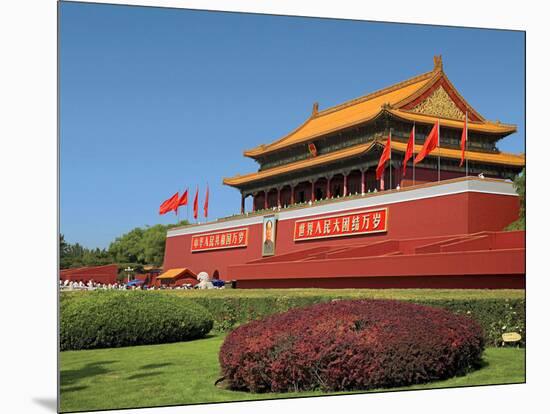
[(157, 100)]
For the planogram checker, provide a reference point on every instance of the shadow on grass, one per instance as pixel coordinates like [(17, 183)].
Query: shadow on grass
[(153, 366), (144, 375), (72, 389), (481, 364), (72, 377)]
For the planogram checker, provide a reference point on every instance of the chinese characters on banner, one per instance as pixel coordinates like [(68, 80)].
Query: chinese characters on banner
[(221, 240), (348, 224)]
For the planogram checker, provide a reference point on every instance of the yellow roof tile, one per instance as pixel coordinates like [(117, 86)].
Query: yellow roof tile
[(345, 115), (490, 127), (298, 165), (173, 273)]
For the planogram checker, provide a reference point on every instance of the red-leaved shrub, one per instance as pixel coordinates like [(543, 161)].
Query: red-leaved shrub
[(350, 345)]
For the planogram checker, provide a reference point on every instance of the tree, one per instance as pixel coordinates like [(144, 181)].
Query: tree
[(154, 240), (128, 247), (142, 245), (75, 255), (64, 248), (519, 185), (138, 247)]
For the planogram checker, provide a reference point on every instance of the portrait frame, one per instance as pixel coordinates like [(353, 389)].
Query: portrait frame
[(269, 235)]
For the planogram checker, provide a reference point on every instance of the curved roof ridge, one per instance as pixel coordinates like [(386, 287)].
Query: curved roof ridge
[(470, 121), (250, 152), (397, 99), (485, 126), (439, 74), (316, 115), (375, 94), (458, 94)]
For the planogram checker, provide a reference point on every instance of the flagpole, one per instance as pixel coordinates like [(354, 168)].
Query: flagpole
[(414, 139), (438, 153), (390, 158), (207, 201), (466, 144)]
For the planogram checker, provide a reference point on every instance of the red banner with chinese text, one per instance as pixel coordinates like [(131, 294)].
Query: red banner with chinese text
[(220, 240), (348, 224)]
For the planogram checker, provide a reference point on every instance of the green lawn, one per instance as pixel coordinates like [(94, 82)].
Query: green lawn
[(185, 372)]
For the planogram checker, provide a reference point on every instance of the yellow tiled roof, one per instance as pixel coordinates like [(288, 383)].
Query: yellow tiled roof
[(298, 165), (173, 273), (345, 115), (368, 107), (487, 126), (501, 158)]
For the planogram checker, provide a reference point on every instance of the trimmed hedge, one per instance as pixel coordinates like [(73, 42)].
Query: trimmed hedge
[(496, 311), (105, 319), (350, 345)]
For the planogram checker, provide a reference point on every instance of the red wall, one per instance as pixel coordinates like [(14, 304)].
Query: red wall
[(450, 268), (426, 175), (392, 282), (100, 274), (461, 213)]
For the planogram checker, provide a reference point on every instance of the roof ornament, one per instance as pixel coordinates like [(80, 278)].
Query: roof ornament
[(315, 109), (438, 63)]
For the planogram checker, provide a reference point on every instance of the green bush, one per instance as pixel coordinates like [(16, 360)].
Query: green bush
[(496, 311), (105, 319)]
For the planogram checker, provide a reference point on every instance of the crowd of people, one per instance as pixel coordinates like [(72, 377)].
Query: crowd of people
[(203, 279), (90, 285)]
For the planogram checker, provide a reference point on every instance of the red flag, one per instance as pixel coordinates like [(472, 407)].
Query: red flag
[(183, 199), (206, 202), (196, 205), (169, 205), (464, 138), (431, 143), (162, 208), (410, 150), (386, 155), (312, 149)]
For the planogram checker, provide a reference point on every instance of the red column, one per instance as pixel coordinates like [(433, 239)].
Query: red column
[(242, 203), (265, 200), (382, 182), (291, 194), (312, 191), (345, 185), (363, 182), (328, 187), (278, 197)]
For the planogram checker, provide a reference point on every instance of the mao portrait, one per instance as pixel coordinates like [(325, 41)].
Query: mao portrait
[(268, 239)]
